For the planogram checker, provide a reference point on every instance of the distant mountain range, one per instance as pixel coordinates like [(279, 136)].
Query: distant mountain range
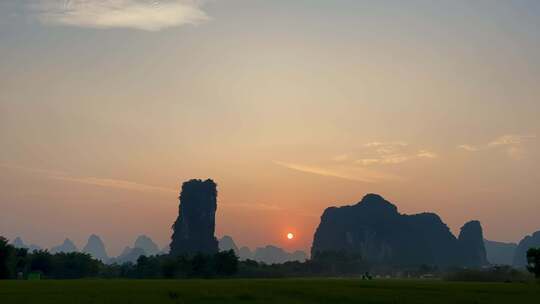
[(19, 243), (95, 246), (67, 246), (529, 241), (499, 253), (511, 253), (268, 254), (143, 245)]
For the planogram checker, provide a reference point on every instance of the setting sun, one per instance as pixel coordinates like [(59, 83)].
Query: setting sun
[(290, 236)]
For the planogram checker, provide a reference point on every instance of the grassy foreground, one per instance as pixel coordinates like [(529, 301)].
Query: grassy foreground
[(265, 291)]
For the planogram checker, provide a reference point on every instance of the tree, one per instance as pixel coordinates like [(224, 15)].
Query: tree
[(226, 263), (201, 266), (74, 265), (41, 261), (6, 253), (533, 261), (19, 263)]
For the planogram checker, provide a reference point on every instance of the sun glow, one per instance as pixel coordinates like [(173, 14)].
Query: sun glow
[(290, 236)]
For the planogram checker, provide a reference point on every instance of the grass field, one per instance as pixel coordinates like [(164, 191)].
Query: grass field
[(265, 291)]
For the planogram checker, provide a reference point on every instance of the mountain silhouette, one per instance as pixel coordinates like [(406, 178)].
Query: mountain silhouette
[(520, 255), (227, 243), (472, 248), (193, 230), (128, 255), (374, 229), (145, 243), (267, 254), (19, 243), (244, 253), (67, 247), (96, 248), (499, 253), (275, 255)]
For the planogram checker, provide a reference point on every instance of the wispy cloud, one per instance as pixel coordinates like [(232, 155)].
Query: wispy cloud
[(512, 144), (510, 140), (94, 181), (351, 173), (135, 14), (426, 154), (114, 183), (468, 148), (386, 147), (391, 153)]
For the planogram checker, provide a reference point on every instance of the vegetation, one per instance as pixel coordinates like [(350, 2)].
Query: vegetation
[(495, 274), (533, 261), (19, 263), (265, 291)]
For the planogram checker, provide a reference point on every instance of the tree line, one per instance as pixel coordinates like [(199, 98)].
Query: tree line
[(18, 263)]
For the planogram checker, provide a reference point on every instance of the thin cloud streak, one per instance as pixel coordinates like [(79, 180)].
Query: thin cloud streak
[(347, 173), (507, 140), (512, 144), (135, 14), (392, 153), (129, 186), (94, 181), (114, 183)]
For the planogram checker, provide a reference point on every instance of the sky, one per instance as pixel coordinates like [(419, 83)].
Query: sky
[(107, 106)]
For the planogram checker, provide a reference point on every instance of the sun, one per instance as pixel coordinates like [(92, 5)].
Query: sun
[(290, 236)]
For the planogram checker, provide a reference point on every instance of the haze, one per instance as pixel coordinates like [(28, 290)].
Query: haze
[(290, 106)]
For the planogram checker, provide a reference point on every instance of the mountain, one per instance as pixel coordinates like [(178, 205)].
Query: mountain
[(96, 248), (147, 245), (193, 230), (520, 255), (244, 253), (165, 250), (143, 245), (374, 229), (275, 255), (227, 243), (19, 243), (67, 246), (298, 255), (268, 254), (472, 248), (499, 253), (128, 255)]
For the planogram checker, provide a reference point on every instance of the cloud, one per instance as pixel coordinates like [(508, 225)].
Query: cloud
[(342, 172), (512, 144), (386, 147), (468, 148), (508, 140), (95, 181), (386, 144), (426, 154), (135, 14), (114, 183), (391, 153)]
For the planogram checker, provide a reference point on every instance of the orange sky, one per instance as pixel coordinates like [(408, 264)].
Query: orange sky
[(290, 107)]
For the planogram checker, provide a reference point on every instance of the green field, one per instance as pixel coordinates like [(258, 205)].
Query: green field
[(265, 291)]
